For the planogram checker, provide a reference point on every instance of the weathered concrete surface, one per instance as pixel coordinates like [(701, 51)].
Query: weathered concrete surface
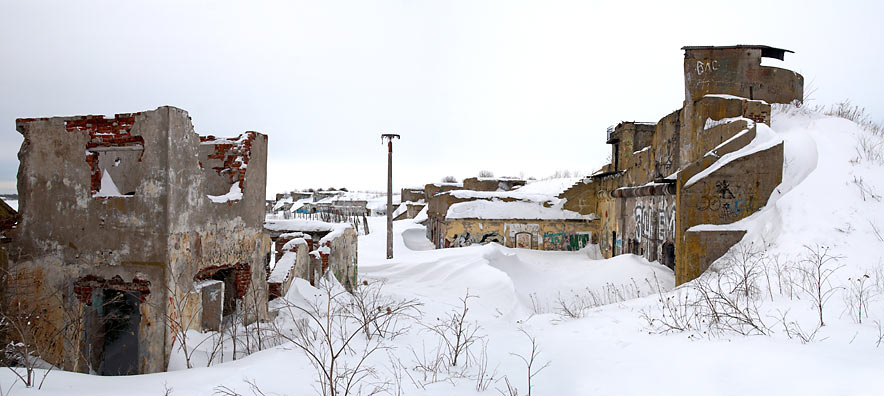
[(492, 184), (727, 92), (153, 241), (570, 235)]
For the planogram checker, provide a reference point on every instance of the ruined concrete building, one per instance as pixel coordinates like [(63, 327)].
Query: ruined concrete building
[(672, 189), (511, 218), (131, 226), (674, 186), (306, 249)]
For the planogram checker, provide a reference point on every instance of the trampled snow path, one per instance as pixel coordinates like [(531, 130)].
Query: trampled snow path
[(824, 198)]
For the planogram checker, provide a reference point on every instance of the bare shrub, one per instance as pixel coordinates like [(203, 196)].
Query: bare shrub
[(795, 331), (379, 314), (816, 268), (486, 173), (532, 367), (724, 311), (226, 391), (575, 305), (456, 334), (449, 179), (721, 301), (326, 332), (860, 290), (484, 376), (847, 110)]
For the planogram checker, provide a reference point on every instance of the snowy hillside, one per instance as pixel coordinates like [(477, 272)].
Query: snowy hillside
[(750, 325)]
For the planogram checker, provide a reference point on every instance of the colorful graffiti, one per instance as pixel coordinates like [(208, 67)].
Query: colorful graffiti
[(570, 241), (651, 221), (466, 239), (721, 198), (577, 241)]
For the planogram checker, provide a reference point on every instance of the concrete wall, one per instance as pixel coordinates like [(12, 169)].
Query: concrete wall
[(412, 194), (737, 71), (527, 234), (432, 189), (631, 220), (151, 242), (491, 184)]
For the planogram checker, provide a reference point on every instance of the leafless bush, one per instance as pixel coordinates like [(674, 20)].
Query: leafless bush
[(325, 330), (510, 389), (816, 268), (575, 305), (722, 310), (860, 290), (880, 334), (449, 179), (226, 391), (484, 377), (456, 334), (722, 301), (855, 113), (531, 367), (676, 314), (486, 173), (794, 331), (379, 314), (744, 265), (430, 363), (865, 190), (786, 275)]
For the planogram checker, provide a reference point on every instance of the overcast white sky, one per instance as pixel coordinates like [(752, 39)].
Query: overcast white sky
[(514, 87)]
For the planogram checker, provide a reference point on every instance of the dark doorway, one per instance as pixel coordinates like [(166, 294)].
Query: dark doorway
[(120, 318), (226, 275), (613, 243), (669, 255)]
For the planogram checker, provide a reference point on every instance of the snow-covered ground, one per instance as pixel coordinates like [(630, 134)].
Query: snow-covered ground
[(830, 196)]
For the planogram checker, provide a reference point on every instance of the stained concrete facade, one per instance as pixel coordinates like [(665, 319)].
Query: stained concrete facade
[(542, 232), (644, 198), (188, 213), (492, 183)]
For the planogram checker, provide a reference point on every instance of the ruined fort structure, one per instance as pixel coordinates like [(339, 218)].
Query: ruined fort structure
[(673, 187), (306, 249), (122, 220), (460, 218)]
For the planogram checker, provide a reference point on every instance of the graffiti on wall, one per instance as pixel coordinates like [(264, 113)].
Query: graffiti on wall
[(552, 238), (570, 241), (522, 235), (653, 220), (467, 239), (727, 201)]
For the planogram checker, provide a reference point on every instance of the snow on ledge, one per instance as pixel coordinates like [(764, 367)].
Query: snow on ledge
[(108, 187), (235, 194), (726, 96), (710, 123), (765, 138), (518, 210)]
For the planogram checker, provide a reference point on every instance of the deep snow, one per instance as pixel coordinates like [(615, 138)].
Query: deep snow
[(827, 197)]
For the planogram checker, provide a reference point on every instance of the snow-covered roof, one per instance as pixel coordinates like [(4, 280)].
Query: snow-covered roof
[(551, 187), (302, 225), (518, 210), (283, 268)]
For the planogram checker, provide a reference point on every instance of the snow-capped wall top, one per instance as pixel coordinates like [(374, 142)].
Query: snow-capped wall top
[(495, 209)]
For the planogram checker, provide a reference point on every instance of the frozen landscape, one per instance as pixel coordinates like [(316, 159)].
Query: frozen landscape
[(796, 308)]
